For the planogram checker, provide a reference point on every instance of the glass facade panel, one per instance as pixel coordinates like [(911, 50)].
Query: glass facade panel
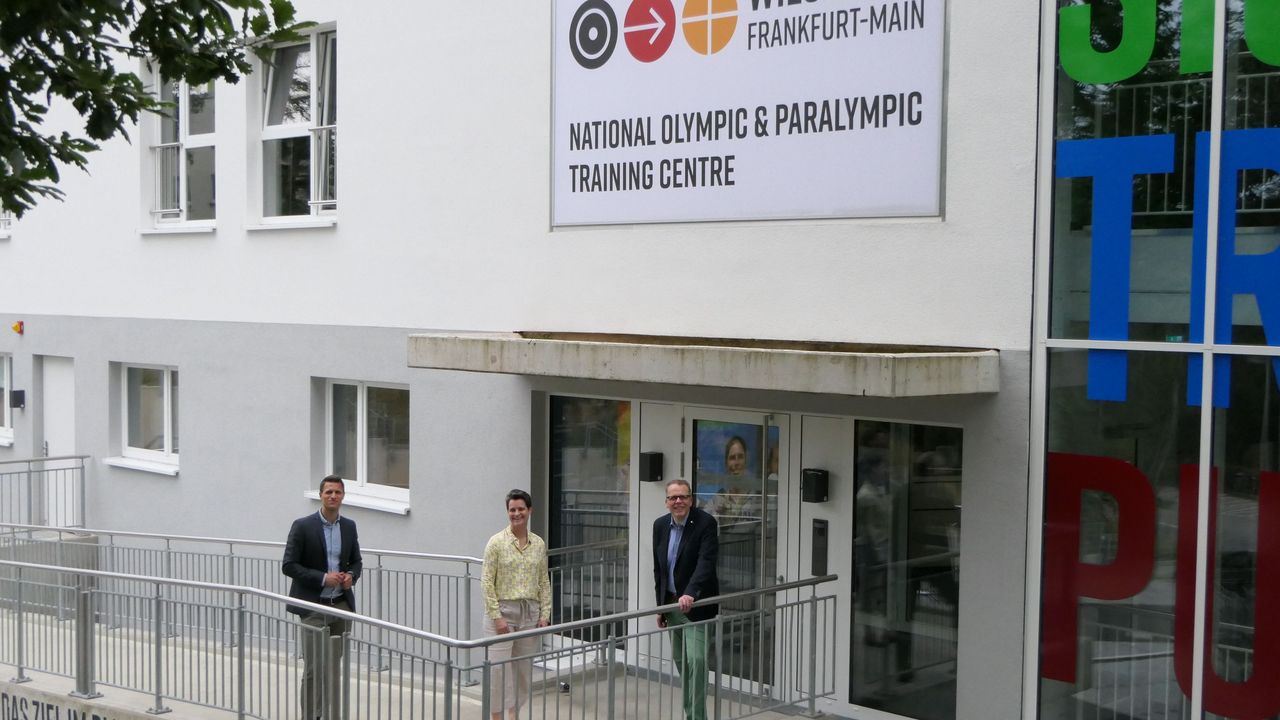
[(1114, 538), (1242, 679), (1125, 168), (387, 428), (906, 569), (1249, 220), (588, 528)]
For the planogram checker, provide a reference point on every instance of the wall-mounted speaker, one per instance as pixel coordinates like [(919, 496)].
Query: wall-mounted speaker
[(650, 467), (813, 485)]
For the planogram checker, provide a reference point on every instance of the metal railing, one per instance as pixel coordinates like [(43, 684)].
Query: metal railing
[(43, 491), (588, 580), (381, 669), (391, 587), (1181, 106)]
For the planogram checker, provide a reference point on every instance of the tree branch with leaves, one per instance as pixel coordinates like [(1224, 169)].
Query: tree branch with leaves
[(82, 51)]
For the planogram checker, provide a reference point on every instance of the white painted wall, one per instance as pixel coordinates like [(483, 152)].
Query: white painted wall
[(444, 217)]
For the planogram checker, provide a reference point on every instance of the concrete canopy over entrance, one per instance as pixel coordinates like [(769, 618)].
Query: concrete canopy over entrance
[(892, 371)]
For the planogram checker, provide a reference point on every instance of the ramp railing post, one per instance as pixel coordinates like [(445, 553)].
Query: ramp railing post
[(157, 657), (20, 626), (84, 644), (241, 669)]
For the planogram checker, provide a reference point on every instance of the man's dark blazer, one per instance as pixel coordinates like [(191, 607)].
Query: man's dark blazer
[(306, 562), (695, 571)]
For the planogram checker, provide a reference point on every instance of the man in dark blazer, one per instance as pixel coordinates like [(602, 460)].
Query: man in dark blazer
[(322, 556), (686, 545)]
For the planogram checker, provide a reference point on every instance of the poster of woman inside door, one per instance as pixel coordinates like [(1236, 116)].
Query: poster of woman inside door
[(726, 470)]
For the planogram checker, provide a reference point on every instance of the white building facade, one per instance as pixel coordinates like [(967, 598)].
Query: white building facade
[(758, 245)]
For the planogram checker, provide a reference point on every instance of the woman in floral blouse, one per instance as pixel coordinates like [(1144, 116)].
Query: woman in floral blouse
[(517, 596)]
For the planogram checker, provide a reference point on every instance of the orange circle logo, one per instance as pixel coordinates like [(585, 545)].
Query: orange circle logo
[(709, 24)]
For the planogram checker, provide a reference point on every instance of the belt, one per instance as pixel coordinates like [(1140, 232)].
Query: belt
[(332, 600)]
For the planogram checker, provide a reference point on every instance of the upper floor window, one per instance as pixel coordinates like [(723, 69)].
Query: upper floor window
[(150, 413), (6, 384), (368, 437), (299, 128), (183, 153), (6, 223)]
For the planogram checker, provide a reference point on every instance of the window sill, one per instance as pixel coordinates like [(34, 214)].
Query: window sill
[(150, 466), (299, 224), (6, 441), (368, 502), (178, 229)]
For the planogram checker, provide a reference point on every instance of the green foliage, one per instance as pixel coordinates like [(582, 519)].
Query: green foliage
[(80, 51)]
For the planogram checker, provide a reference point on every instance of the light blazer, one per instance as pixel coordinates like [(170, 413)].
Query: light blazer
[(695, 571), (305, 560)]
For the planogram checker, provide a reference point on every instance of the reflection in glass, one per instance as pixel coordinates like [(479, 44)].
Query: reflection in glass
[(288, 91), (1162, 98), (1243, 675), (170, 92), (286, 176), (173, 411), (728, 482), (6, 368), (1111, 535), (906, 568), (1252, 105), (200, 119), (200, 184), (387, 428), (590, 462), (344, 433), (144, 388)]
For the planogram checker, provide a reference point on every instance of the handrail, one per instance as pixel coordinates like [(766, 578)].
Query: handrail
[(657, 610), (423, 634), (221, 587), (237, 541), (45, 459), (598, 545)]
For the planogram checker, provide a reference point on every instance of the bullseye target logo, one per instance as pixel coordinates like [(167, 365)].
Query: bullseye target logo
[(649, 28)]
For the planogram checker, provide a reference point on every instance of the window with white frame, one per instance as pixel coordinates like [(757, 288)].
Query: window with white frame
[(150, 409), (6, 223), (6, 385), (183, 154), (368, 436), (300, 128)]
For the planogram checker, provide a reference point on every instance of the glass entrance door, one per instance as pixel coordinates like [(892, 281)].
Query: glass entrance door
[(738, 463)]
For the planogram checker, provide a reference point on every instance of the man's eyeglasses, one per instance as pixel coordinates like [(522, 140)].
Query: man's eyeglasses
[(673, 498)]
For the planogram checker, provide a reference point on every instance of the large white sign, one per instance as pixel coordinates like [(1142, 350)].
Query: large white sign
[(679, 110)]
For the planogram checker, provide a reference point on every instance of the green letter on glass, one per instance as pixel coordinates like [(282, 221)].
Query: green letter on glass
[(1086, 65)]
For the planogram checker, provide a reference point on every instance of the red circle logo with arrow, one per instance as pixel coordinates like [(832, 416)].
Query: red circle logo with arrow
[(649, 28)]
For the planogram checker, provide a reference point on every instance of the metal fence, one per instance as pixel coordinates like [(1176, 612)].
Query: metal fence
[(43, 491), (244, 655), (1181, 106)]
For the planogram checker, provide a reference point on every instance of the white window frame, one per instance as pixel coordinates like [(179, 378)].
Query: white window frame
[(161, 215), (316, 131), (360, 485), (6, 412), (6, 224), (166, 456)]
